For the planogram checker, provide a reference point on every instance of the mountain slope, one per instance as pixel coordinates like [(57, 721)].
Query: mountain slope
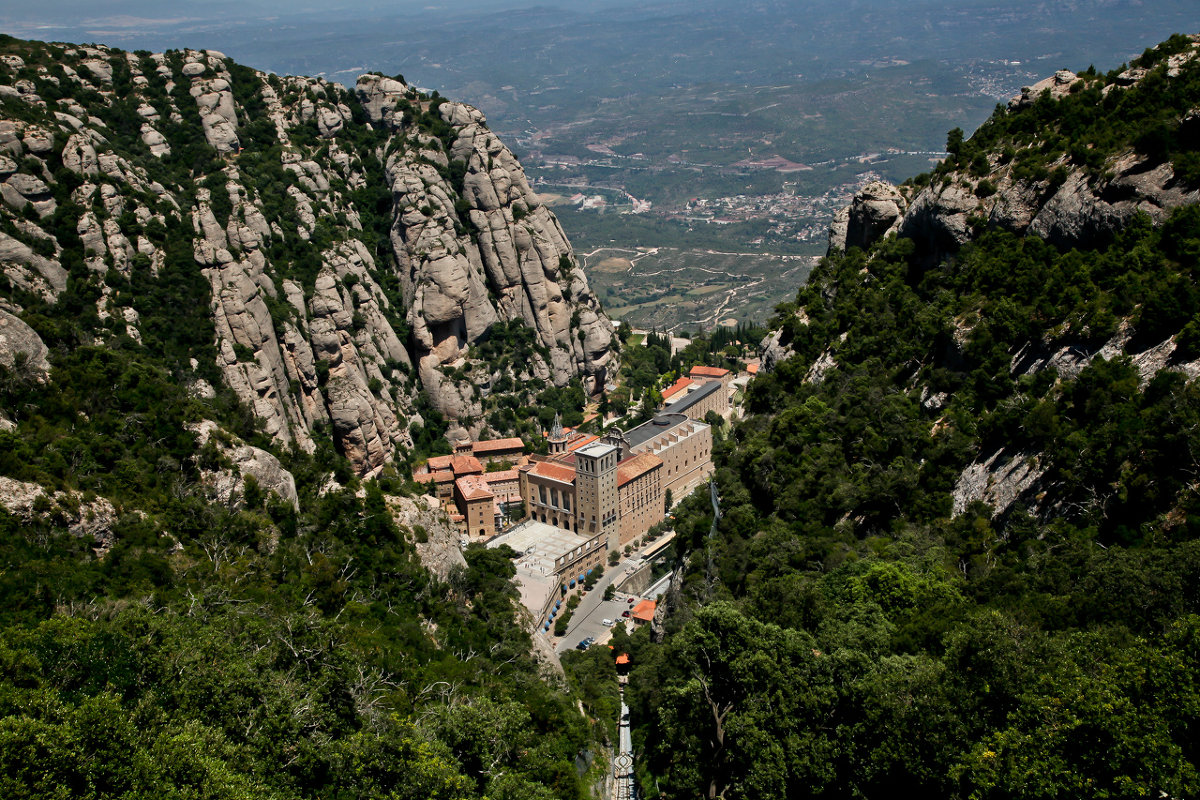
[(1071, 159), (229, 298), (354, 245), (958, 552)]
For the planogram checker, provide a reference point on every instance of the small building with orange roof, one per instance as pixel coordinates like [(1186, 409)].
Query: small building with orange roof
[(437, 463), (675, 389), (643, 612), (490, 451), (705, 374), (466, 465)]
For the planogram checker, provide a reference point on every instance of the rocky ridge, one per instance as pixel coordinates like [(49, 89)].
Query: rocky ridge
[(1067, 203), (356, 244)]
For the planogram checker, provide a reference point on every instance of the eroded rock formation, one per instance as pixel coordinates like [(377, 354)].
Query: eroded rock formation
[(356, 245)]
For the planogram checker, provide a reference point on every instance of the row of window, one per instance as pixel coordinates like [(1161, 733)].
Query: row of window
[(553, 499)]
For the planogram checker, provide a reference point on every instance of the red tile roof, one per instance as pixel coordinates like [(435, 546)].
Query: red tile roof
[(752, 369), (644, 610), (466, 465), (623, 658), (494, 445), (440, 462), (708, 372), (473, 487), (634, 467), (557, 472), (501, 476), (676, 387)]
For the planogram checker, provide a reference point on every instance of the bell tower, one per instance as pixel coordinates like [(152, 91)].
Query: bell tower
[(596, 492), (557, 439)]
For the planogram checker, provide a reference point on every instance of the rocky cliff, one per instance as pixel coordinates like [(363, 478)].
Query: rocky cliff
[(1035, 167), (332, 256), (1086, 163)]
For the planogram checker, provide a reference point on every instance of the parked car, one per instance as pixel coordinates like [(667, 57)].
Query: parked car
[(585, 644), (625, 613), (631, 600), (606, 622)]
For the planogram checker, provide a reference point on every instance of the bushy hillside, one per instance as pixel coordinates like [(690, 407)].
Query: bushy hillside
[(958, 553), (368, 262), (227, 298)]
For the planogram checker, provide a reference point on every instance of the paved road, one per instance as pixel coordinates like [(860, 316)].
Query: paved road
[(585, 620), (593, 609)]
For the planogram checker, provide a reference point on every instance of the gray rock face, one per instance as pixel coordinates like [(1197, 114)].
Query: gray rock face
[(1085, 207), (838, 228), (20, 345), (214, 99), (773, 352), (1082, 210), (29, 270), (519, 265), (329, 338), (155, 141), (93, 519), (439, 553), (999, 481), (226, 484), (822, 366), (1056, 86), (939, 216), (20, 190), (874, 212)]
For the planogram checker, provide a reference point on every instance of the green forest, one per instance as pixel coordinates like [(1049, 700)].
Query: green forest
[(855, 623), (159, 639), (846, 634)]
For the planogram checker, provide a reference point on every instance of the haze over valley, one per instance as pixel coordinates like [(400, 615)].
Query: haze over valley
[(772, 400), (733, 130)]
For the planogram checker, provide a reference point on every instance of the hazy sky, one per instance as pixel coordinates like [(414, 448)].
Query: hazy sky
[(69, 13)]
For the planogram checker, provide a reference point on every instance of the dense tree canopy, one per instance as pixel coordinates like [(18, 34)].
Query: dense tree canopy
[(849, 633)]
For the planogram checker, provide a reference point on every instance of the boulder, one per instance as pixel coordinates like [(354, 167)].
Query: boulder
[(247, 460), (1056, 86), (20, 344), (100, 69), (329, 122), (873, 213)]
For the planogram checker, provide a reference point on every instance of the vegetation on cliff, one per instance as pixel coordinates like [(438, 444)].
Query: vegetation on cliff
[(207, 335), (958, 553)]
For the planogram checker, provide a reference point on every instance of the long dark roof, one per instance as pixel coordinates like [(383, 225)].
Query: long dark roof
[(648, 430), (692, 398)]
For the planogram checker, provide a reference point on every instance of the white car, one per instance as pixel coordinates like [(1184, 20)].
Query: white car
[(606, 623)]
